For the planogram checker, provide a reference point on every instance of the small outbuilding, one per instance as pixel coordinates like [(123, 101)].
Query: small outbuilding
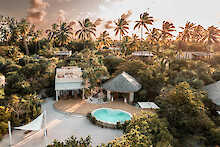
[(123, 83), (63, 53), (2, 80), (147, 105), (143, 53)]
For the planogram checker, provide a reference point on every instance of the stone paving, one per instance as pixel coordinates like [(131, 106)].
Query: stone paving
[(214, 92), (61, 126)]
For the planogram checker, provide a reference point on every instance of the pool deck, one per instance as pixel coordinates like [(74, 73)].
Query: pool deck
[(60, 127), (82, 107)]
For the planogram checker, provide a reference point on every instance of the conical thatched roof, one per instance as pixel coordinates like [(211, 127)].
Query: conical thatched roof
[(122, 83)]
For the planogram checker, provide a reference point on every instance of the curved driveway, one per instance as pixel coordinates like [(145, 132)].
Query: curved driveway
[(61, 126)]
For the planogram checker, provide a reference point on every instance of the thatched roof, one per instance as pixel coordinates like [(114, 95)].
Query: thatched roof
[(122, 83)]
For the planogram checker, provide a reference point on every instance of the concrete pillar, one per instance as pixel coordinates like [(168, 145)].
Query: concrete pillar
[(108, 95), (57, 94), (125, 100), (131, 97), (83, 94)]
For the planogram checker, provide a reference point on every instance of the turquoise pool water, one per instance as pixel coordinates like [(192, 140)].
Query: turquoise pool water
[(112, 116)]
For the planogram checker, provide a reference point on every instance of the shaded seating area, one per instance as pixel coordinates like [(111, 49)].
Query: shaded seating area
[(123, 83)]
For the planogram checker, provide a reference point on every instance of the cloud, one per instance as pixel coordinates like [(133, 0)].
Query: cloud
[(126, 15), (98, 21), (108, 25), (36, 12), (39, 4), (36, 16), (61, 1), (113, 1), (61, 15)]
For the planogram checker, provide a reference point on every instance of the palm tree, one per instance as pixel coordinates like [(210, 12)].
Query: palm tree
[(87, 29), (167, 29), (187, 31), (51, 33), (36, 39), (104, 40), (64, 34), (212, 35), (11, 31), (154, 35), (198, 32), (134, 43), (145, 19), (121, 27), (25, 34), (126, 41)]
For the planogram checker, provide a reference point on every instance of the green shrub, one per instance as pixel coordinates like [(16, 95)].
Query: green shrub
[(206, 78), (145, 130), (185, 111), (72, 142), (216, 75), (215, 60), (4, 117), (197, 84), (214, 136), (111, 62)]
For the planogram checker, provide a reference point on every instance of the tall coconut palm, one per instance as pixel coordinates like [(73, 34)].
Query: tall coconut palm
[(134, 43), (11, 31), (154, 35), (104, 40), (64, 34), (121, 27), (51, 33), (167, 30), (25, 34), (212, 35), (87, 29), (187, 31), (197, 34), (144, 20)]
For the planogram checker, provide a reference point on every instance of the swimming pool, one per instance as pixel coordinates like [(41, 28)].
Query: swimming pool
[(111, 116)]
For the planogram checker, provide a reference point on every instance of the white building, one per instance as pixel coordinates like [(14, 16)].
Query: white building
[(143, 53), (63, 53), (193, 55), (68, 79), (2, 80)]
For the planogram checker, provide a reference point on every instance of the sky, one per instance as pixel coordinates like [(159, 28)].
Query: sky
[(45, 12)]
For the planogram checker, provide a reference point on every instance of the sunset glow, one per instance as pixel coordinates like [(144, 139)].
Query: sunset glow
[(45, 12)]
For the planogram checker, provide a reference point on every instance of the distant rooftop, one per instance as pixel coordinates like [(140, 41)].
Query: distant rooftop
[(201, 54), (111, 48), (68, 74), (147, 105), (143, 53), (63, 53)]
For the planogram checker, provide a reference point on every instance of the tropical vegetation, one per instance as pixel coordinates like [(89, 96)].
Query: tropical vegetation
[(170, 78)]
